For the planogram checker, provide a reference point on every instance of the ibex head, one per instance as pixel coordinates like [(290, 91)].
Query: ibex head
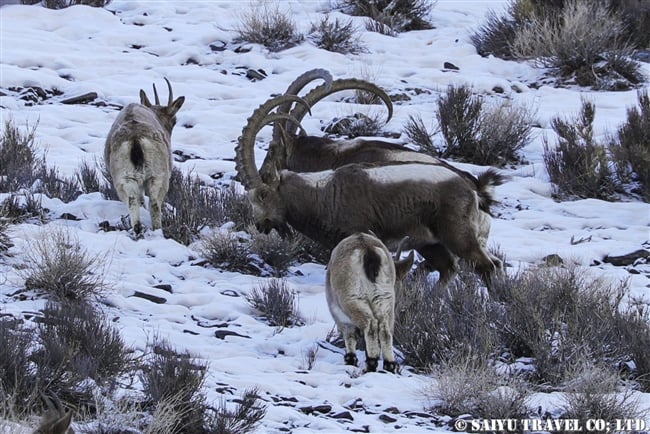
[(268, 209), (166, 113)]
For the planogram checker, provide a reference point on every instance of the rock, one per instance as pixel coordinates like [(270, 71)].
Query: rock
[(451, 66), (628, 259), (221, 334), (343, 415), (164, 286), (81, 99), (151, 298), (386, 418)]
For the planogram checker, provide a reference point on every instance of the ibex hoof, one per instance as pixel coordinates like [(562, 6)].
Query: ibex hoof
[(390, 366), (138, 230), (351, 359), (372, 364)]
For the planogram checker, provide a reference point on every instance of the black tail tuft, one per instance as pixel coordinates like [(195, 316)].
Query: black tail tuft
[(486, 183), (137, 154), (371, 264)]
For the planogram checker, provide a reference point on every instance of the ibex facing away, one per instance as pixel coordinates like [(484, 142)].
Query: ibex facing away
[(138, 154), (360, 289)]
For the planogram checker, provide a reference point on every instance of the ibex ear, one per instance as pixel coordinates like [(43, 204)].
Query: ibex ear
[(176, 105), (402, 267), (144, 100)]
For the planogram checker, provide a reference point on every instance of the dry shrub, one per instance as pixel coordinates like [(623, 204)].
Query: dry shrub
[(398, 16), (594, 392), (581, 42), (560, 317), (19, 163), (466, 386), (18, 208), (355, 125), (253, 253), (276, 302), (243, 418), (482, 134), (578, 166), (60, 265), (337, 36), (267, 25), (193, 207), (62, 4), (5, 240), (434, 325), (18, 382), (418, 134), (630, 147), (79, 351), (172, 383)]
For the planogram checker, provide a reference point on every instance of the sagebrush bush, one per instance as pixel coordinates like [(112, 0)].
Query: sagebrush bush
[(60, 265), (482, 134), (269, 26), (253, 253), (5, 240), (355, 125), (398, 16), (78, 344), (581, 42), (62, 4), (277, 254), (19, 162), (18, 382), (193, 207), (88, 177), (174, 380), (578, 166), (243, 418), (17, 208), (419, 134), (495, 37), (55, 185), (434, 325), (560, 317), (337, 36), (468, 386), (276, 302), (630, 146), (594, 392), (228, 251)]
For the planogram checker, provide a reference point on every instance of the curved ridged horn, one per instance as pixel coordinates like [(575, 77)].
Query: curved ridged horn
[(296, 86), (171, 94), (155, 95), (245, 149), (323, 91)]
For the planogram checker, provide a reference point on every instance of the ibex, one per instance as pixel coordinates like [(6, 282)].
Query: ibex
[(138, 154), (308, 154), (56, 419), (360, 290)]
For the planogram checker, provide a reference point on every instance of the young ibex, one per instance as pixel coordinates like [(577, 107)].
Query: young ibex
[(139, 157), (56, 419), (443, 209), (360, 289)]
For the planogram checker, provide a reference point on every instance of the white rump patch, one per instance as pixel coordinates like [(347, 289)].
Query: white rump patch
[(411, 172)]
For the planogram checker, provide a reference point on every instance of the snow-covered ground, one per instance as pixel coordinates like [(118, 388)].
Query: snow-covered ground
[(131, 44)]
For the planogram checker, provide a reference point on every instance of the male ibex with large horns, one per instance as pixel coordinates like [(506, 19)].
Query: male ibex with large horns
[(302, 153), (139, 157)]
